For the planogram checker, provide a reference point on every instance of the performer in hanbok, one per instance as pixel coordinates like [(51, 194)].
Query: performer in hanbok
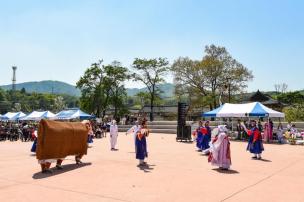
[(206, 131), (90, 132), (266, 132), (134, 130), (33, 149), (220, 154), (255, 143), (270, 129), (199, 136), (280, 134), (113, 135), (141, 144)]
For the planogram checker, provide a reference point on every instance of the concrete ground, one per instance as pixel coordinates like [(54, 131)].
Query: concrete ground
[(177, 172)]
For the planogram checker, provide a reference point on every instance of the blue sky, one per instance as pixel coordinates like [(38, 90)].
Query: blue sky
[(59, 39)]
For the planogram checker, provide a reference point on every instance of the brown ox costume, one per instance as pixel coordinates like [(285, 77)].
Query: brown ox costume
[(56, 140)]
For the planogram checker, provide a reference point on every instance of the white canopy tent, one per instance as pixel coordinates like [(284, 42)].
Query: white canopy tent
[(13, 116), (254, 109), (36, 116)]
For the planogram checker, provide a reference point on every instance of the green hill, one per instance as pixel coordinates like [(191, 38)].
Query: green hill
[(56, 87), (166, 88)]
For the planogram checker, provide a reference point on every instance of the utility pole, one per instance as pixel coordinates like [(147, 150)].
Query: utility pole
[(14, 78), (14, 86)]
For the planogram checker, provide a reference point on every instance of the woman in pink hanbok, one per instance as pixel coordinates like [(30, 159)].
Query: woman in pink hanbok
[(266, 132), (220, 149)]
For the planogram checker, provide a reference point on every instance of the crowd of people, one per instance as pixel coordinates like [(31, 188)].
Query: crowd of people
[(270, 133), (218, 148), (26, 130), (13, 131)]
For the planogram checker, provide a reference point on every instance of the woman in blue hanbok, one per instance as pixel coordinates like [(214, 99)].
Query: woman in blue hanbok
[(206, 138), (199, 136), (141, 144), (255, 143)]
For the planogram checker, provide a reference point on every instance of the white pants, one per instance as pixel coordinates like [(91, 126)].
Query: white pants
[(113, 140)]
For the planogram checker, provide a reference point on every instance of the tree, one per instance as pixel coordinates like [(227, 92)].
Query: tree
[(291, 98), (99, 84), (143, 98), (5, 105), (23, 91), (294, 113), (151, 72), (59, 104), (281, 88), (205, 80), (117, 74)]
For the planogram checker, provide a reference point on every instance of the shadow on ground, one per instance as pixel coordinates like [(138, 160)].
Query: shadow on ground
[(146, 168), (66, 168), (265, 160), (225, 171)]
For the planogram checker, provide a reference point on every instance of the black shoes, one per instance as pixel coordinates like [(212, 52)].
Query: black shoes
[(59, 167)]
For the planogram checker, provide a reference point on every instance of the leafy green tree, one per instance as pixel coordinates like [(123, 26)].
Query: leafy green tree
[(151, 72), (99, 84), (294, 113), (23, 91), (291, 98), (59, 104), (143, 98), (116, 75), (205, 80), (4, 103)]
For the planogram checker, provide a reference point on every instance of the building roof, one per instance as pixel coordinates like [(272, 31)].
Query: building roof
[(161, 109)]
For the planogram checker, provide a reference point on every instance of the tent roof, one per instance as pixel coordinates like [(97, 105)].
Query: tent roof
[(254, 109), (72, 114), (35, 115), (12, 116)]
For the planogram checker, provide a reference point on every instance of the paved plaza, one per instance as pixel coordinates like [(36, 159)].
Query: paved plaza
[(176, 172)]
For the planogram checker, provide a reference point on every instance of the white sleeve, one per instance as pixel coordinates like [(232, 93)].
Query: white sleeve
[(131, 130)]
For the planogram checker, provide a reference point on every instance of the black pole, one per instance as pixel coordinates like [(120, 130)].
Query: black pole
[(229, 96)]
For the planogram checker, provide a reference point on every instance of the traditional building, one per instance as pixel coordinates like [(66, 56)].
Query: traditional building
[(266, 100)]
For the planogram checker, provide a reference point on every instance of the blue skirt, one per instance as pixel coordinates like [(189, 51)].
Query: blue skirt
[(205, 142), (34, 146), (141, 148), (90, 139), (255, 147), (199, 140)]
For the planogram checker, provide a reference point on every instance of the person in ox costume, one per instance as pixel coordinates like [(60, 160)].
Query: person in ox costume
[(141, 144), (255, 143), (206, 131), (220, 149)]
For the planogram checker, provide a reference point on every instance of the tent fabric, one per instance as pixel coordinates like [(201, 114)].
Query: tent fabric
[(36, 116), (13, 116), (254, 109), (73, 114)]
